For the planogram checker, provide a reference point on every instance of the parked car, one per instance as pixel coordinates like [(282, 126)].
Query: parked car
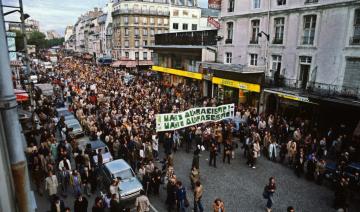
[(129, 186), (75, 126), (63, 111), (94, 146)]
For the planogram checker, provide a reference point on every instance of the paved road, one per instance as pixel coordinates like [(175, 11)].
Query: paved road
[(240, 187)]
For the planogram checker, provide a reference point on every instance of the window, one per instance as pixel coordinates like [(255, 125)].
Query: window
[(136, 44), (127, 54), (126, 44), (309, 30), (158, 31), (305, 64), (229, 29), (136, 20), (281, 2), (185, 26), (136, 55), (311, 1), (355, 40), (136, 31), (256, 4), (276, 63), (152, 21), (255, 27), (193, 26), (126, 32), (175, 12), (126, 20), (253, 59), (145, 20), (166, 21), (185, 13), (279, 30), (159, 21), (145, 31), (145, 43), (231, 5), (228, 57), (152, 32), (175, 26), (145, 56)]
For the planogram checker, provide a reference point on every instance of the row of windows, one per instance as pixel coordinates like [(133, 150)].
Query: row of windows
[(308, 34), (137, 43), (145, 31), (256, 4), (145, 55), (184, 26), (160, 21)]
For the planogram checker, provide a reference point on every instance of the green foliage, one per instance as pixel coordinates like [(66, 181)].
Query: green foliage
[(19, 40), (38, 39)]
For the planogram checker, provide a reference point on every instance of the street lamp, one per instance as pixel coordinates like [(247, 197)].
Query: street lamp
[(266, 35)]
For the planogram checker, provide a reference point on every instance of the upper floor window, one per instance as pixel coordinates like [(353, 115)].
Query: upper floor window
[(166, 21), (152, 21), (311, 1), (159, 21), (145, 56), (136, 31), (145, 20), (136, 19), (253, 59), (281, 2), (255, 29), (231, 5), (185, 26), (279, 30), (136, 44), (126, 32), (175, 26), (229, 29), (126, 20), (256, 4), (127, 54), (194, 27), (355, 40), (136, 55), (152, 32), (126, 44), (228, 57), (309, 29), (145, 31)]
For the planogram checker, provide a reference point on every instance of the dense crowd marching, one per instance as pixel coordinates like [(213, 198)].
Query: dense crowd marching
[(121, 113)]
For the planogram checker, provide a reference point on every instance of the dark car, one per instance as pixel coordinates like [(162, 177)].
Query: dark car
[(333, 172)]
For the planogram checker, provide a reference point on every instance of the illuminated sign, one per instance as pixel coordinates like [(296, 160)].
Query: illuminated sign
[(237, 84), (214, 4)]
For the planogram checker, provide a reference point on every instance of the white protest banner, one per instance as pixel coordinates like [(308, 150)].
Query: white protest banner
[(193, 116)]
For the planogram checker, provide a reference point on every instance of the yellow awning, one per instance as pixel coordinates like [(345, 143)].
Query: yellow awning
[(178, 72), (236, 84)]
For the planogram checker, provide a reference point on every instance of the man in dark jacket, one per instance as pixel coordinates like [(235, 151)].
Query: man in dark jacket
[(115, 205), (81, 204), (57, 205)]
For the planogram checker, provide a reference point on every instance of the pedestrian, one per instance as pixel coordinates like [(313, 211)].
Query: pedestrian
[(196, 159), (290, 209), (194, 176), (98, 206), (57, 205), (213, 153), (341, 195), (268, 193), (218, 205), (115, 205), (80, 204), (75, 182), (114, 187), (142, 202), (198, 192), (156, 180), (85, 181), (181, 196), (227, 151), (171, 194), (299, 163), (51, 185)]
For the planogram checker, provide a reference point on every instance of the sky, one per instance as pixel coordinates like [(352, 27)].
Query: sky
[(56, 15)]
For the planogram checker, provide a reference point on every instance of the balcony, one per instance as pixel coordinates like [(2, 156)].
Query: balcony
[(311, 1), (196, 38), (314, 88), (141, 12)]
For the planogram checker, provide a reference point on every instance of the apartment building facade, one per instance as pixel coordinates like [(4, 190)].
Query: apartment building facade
[(134, 26), (309, 49)]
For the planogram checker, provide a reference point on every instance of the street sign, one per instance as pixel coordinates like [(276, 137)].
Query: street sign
[(11, 45)]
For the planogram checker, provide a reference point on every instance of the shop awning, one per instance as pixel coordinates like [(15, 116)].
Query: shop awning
[(21, 95), (177, 72), (236, 84), (146, 63), (290, 96)]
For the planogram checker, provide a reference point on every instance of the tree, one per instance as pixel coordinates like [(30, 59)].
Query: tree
[(19, 40), (54, 42), (38, 39)]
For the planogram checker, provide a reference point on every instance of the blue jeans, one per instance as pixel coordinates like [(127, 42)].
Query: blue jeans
[(182, 205), (269, 202), (198, 204)]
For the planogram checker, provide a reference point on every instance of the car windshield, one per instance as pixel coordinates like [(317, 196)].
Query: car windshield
[(125, 174)]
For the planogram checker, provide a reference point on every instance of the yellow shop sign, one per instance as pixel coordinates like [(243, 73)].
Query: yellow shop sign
[(178, 72), (237, 84)]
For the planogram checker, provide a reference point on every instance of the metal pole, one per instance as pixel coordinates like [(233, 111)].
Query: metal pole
[(11, 128), (27, 59)]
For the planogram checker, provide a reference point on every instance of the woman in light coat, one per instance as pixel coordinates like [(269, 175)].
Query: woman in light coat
[(51, 184), (272, 150)]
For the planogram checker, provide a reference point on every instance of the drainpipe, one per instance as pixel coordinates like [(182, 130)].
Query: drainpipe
[(11, 128)]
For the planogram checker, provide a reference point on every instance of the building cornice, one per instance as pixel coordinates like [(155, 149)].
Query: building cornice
[(285, 11)]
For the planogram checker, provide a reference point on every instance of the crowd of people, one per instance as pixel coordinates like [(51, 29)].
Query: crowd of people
[(120, 111)]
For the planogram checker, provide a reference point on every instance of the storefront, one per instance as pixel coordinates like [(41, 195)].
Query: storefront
[(231, 91), (290, 104)]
